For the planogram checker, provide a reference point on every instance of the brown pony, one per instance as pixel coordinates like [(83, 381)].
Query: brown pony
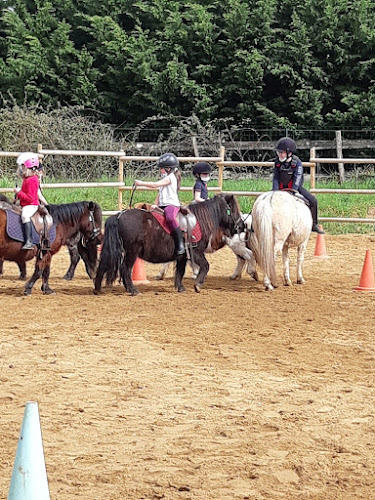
[(76, 250), (82, 217)]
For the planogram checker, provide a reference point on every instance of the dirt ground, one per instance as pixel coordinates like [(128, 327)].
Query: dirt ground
[(234, 393)]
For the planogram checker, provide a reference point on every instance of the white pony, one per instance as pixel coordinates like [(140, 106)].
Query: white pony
[(280, 221)]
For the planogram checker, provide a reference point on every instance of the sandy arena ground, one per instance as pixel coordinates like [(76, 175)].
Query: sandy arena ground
[(234, 393)]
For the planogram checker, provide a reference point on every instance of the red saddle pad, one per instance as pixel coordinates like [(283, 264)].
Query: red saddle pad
[(196, 234)]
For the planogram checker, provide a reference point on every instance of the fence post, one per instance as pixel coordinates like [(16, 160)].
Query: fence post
[(221, 167), (339, 156), (312, 169), (120, 179)]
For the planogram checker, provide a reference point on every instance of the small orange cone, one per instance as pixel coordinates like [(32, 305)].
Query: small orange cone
[(366, 282), (320, 246), (139, 273)]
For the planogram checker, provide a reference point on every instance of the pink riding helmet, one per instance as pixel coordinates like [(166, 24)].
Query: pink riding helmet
[(30, 160)]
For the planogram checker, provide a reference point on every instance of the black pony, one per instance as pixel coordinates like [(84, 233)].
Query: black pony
[(136, 233)]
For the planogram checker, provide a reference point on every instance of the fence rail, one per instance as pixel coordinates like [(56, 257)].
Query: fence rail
[(220, 162)]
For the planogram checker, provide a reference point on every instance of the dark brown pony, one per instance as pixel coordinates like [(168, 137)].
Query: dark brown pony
[(82, 217), (136, 233), (76, 249)]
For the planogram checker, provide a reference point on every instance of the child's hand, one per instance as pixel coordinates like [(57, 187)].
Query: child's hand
[(16, 190), (138, 183)]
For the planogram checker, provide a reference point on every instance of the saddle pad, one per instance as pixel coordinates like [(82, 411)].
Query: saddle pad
[(196, 234), (15, 229)]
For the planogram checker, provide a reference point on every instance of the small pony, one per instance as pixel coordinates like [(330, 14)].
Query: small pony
[(280, 221), (137, 233), (71, 218), (238, 246)]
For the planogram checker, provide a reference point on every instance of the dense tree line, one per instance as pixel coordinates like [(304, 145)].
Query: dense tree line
[(286, 63)]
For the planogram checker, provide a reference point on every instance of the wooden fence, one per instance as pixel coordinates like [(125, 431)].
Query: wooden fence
[(221, 164)]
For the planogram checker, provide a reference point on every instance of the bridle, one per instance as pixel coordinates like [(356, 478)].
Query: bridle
[(95, 230), (237, 221)]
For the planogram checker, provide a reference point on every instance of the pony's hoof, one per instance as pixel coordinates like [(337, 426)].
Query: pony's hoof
[(97, 292), (22, 278), (49, 292), (300, 281), (181, 289), (288, 283), (197, 288), (27, 292), (159, 277), (135, 293), (234, 277), (67, 278)]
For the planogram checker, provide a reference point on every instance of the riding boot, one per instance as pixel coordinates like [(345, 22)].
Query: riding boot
[(315, 227), (28, 230), (179, 241)]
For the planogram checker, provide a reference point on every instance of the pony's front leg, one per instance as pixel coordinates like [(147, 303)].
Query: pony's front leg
[(45, 276), (39, 267), (239, 268), (179, 274), (204, 266), (286, 262), (74, 259), (300, 258), (163, 271)]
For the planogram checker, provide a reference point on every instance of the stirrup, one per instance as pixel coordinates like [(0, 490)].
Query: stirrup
[(28, 246)]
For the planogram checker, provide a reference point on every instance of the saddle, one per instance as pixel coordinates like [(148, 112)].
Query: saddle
[(44, 231), (298, 196), (187, 221)]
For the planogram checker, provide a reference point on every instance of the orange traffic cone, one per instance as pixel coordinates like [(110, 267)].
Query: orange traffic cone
[(139, 273), (320, 246), (366, 282)]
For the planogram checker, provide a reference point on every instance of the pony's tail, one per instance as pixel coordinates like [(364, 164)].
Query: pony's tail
[(112, 254), (262, 240)]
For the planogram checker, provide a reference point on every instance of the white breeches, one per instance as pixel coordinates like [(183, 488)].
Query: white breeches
[(27, 212)]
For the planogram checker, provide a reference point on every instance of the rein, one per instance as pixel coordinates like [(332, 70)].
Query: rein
[(134, 187)]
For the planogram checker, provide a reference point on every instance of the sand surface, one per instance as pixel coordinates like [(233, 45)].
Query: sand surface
[(233, 393)]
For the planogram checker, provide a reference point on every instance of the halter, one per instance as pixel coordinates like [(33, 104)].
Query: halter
[(95, 230)]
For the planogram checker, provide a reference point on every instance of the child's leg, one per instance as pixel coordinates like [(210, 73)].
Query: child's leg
[(27, 213), (313, 207), (170, 216)]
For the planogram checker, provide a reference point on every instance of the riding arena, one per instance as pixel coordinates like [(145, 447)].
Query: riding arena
[(234, 392)]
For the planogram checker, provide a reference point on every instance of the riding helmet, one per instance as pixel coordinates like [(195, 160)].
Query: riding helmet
[(202, 167), (30, 160), (167, 161), (286, 144)]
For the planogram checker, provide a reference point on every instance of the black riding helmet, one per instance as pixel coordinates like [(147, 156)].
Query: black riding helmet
[(202, 167), (286, 144), (168, 161)]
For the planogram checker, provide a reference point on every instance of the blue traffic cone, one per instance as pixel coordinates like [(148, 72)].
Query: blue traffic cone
[(29, 477)]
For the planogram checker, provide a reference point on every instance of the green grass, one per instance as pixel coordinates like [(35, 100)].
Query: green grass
[(330, 205)]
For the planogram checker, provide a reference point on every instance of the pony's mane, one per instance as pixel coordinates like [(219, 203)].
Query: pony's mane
[(68, 212), (209, 213)]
